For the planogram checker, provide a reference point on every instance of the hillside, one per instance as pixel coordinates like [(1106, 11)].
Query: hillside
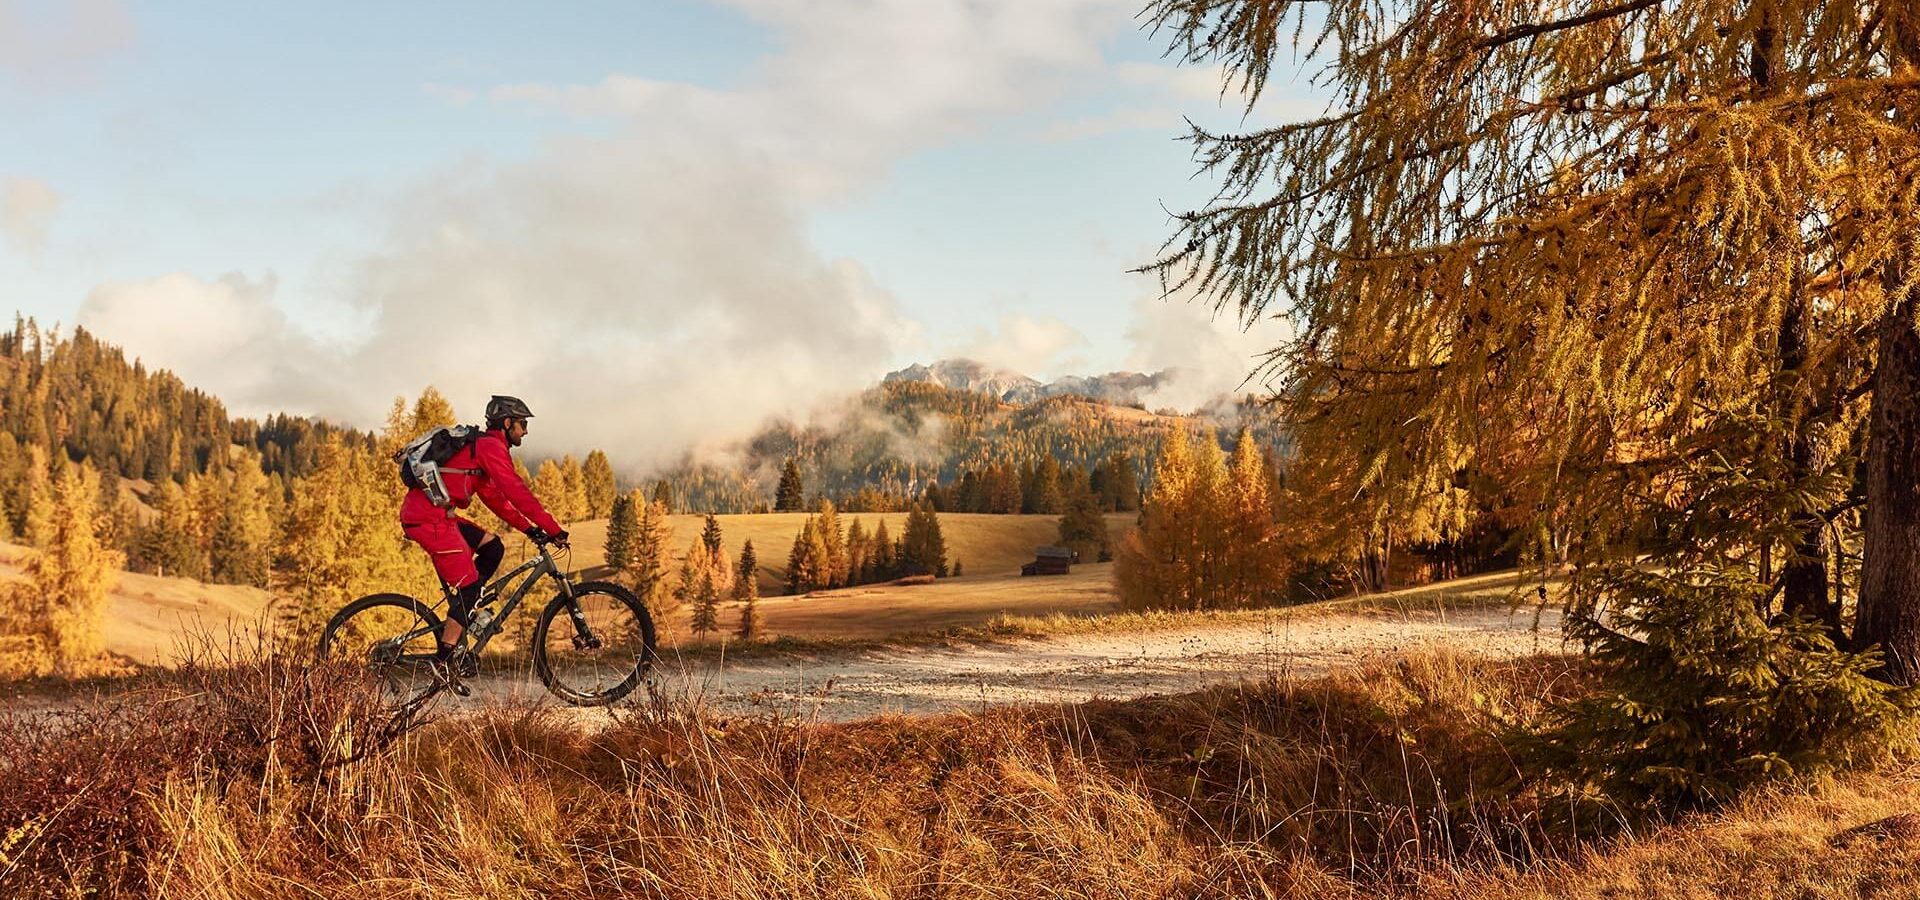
[(903, 435)]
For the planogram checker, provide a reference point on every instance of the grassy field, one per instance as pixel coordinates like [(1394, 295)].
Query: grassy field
[(148, 614), (983, 544), (1391, 781)]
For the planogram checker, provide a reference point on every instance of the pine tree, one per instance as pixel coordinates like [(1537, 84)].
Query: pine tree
[(748, 577), (699, 588), (885, 561), (1082, 529), (858, 552), (597, 479), (749, 594), (623, 525), (924, 551), (663, 495), (710, 536), (799, 559), (790, 496)]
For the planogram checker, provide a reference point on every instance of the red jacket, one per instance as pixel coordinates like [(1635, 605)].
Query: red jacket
[(484, 468)]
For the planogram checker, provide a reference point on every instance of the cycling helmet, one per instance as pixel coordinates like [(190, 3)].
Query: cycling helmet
[(501, 407)]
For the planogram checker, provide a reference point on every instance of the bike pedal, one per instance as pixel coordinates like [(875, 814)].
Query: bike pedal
[(460, 687)]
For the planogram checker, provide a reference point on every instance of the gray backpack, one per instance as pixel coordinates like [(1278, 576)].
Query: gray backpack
[(422, 461)]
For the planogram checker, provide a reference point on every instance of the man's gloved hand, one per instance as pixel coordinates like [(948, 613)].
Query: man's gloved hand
[(560, 540), (538, 535)]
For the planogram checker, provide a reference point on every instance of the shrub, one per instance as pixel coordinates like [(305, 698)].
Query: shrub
[(1700, 697)]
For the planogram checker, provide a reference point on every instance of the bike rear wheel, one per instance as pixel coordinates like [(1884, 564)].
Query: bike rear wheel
[(395, 637), (599, 655)]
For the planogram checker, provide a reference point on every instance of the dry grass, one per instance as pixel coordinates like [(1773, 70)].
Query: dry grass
[(1389, 781)]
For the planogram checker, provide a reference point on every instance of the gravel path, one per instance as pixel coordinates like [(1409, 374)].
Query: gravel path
[(1069, 667)]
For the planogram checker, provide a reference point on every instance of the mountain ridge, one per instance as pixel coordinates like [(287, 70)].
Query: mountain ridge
[(964, 374)]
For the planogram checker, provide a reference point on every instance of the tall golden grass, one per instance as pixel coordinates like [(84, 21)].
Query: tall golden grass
[(262, 778)]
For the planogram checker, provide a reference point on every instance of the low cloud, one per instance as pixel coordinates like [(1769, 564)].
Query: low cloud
[(1207, 355), (1030, 345), (224, 335), (27, 209)]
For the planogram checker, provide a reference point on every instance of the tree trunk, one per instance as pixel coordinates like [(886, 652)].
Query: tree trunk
[(1889, 614), (1804, 571)]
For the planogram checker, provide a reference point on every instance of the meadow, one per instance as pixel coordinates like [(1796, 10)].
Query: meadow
[(148, 616)]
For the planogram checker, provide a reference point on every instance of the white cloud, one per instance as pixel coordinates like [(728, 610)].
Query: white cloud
[(27, 208), (1029, 345), (652, 289), (1211, 355), (225, 336), (55, 45)]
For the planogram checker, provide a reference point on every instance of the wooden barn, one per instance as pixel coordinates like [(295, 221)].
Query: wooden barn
[(1050, 561)]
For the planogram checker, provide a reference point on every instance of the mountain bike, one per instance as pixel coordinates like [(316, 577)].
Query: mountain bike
[(592, 645)]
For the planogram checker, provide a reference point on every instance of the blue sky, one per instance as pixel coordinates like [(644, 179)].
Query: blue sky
[(670, 219)]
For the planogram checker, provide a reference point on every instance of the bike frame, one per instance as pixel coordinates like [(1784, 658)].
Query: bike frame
[(541, 564)]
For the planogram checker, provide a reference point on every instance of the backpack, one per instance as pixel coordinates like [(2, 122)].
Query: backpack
[(422, 460)]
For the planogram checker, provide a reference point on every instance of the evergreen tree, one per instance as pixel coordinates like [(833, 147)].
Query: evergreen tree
[(799, 559), (748, 577), (623, 526), (956, 568), (598, 481), (1083, 530), (1041, 493), (663, 495), (710, 536), (858, 552), (885, 565), (699, 588), (749, 593), (790, 496), (923, 550)]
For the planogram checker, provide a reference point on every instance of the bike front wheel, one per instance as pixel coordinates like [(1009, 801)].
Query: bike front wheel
[(594, 646), (394, 637)]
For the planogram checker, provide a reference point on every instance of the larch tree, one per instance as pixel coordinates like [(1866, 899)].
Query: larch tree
[(597, 478), (652, 555), (573, 491), (71, 576), (1643, 266)]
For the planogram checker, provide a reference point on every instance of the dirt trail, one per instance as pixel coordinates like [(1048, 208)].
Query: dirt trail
[(1067, 668)]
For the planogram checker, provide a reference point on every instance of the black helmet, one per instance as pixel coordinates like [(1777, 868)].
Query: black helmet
[(501, 407)]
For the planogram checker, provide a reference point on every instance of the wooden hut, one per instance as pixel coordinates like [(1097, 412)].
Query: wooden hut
[(1050, 561)]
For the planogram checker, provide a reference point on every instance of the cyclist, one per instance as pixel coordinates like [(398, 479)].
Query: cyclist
[(464, 554)]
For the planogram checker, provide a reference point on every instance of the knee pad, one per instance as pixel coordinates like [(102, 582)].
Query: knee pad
[(487, 559), (460, 605)]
